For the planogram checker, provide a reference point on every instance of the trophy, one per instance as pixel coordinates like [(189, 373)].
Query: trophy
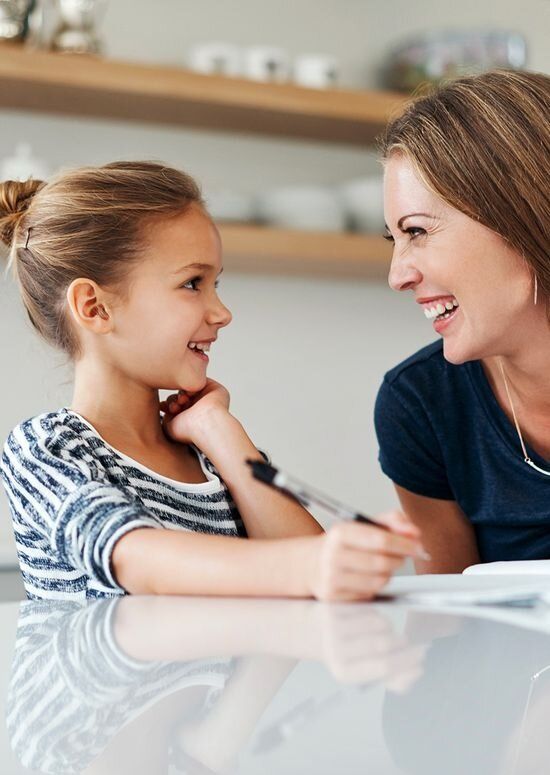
[(76, 32)]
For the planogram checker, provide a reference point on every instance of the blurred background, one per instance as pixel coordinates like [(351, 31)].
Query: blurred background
[(273, 107)]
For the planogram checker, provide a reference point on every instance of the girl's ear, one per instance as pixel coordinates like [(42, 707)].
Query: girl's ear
[(88, 308)]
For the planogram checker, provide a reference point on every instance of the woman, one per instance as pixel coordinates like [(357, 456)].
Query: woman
[(464, 424)]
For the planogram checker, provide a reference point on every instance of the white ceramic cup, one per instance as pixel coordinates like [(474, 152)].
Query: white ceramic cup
[(306, 208), (216, 59), (363, 202), (316, 71), (266, 63)]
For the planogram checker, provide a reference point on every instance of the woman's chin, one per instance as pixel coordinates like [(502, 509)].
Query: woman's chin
[(457, 355)]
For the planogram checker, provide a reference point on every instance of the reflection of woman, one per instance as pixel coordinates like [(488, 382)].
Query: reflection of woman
[(465, 713), (464, 424)]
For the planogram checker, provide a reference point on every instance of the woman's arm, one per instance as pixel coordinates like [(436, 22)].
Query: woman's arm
[(447, 535)]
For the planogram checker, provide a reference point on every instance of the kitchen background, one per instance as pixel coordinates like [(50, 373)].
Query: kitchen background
[(305, 354)]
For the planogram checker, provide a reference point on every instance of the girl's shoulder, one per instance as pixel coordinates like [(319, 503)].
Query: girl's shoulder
[(56, 434)]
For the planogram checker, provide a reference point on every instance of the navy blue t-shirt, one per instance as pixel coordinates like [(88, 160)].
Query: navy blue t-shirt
[(442, 434)]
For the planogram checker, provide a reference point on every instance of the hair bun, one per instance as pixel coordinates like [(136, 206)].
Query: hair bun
[(15, 198)]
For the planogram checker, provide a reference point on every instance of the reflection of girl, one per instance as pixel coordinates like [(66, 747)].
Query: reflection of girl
[(119, 268), (73, 689), (464, 424), (122, 685)]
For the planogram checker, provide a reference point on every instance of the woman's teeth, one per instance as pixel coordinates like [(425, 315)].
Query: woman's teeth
[(441, 309), (203, 347)]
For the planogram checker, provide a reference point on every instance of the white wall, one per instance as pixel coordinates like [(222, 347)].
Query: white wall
[(304, 357)]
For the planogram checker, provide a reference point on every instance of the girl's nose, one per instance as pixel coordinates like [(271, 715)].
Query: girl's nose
[(403, 274), (219, 315)]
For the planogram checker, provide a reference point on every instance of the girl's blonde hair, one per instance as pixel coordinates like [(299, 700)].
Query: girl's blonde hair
[(89, 222), (482, 144)]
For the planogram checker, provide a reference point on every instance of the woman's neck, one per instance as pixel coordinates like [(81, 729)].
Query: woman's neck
[(528, 376), (117, 407)]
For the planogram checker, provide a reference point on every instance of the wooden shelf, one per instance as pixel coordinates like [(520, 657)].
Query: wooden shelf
[(102, 88), (261, 249)]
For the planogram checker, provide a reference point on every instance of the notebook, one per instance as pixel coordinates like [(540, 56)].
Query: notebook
[(511, 568)]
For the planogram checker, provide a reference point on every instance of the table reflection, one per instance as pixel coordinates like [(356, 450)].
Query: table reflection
[(157, 685)]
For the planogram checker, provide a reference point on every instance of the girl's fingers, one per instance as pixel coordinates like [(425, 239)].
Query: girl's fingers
[(377, 540), (398, 522), (367, 563)]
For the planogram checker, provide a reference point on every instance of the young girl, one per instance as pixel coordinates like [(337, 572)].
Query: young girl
[(118, 266)]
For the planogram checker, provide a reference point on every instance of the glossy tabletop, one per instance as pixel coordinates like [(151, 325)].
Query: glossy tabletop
[(196, 686)]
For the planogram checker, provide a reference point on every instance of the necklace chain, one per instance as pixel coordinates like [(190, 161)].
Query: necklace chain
[(526, 457)]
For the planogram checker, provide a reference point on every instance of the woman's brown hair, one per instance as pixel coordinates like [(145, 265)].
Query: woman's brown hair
[(482, 144), (89, 222)]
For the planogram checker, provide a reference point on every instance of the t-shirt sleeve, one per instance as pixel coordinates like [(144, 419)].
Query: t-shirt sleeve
[(64, 495), (409, 451)]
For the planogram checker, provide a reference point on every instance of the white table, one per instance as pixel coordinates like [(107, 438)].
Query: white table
[(171, 685)]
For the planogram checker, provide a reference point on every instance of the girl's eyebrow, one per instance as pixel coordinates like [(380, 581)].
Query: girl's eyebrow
[(199, 266)]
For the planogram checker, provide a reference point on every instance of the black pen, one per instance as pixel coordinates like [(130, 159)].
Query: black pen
[(305, 494)]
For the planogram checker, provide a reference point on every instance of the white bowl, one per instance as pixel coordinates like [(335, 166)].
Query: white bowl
[(307, 208), (227, 205), (363, 203)]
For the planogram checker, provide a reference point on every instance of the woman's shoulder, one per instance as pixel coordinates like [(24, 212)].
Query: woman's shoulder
[(427, 378), (427, 360)]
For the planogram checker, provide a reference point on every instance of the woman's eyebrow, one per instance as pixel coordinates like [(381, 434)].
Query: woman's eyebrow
[(410, 215)]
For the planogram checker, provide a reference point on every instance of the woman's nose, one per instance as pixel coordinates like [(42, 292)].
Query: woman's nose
[(403, 274)]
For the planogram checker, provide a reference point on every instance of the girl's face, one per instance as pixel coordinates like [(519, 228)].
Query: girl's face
[(476, 292), (172, 313)]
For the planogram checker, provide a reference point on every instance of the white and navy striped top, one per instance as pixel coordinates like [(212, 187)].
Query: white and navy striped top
[(72, 496)]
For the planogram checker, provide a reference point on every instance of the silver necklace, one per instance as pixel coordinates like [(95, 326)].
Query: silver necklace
[(526, 457)]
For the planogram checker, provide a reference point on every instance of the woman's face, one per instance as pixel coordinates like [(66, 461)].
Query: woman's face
[(476, 292), (172, 304)]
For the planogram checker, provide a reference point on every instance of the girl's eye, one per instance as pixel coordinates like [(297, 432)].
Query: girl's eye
[(192, 285), (388, 236)]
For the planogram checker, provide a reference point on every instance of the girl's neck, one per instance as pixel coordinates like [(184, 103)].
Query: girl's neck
[(118, 408)]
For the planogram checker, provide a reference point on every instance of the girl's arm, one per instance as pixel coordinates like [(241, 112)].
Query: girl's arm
[(352, 561), (447, 534), (266, 513), (208, 424)]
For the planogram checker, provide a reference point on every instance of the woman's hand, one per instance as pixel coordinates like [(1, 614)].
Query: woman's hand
[(184, 413), (354, 561)]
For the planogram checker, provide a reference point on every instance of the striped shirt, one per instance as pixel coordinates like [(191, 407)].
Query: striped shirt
[(72, 496), (73, 689)]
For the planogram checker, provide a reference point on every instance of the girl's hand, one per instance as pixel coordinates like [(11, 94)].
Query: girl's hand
[(354, 561), (184, 412)]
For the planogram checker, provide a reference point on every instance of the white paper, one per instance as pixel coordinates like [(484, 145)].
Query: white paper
[(515, 568)]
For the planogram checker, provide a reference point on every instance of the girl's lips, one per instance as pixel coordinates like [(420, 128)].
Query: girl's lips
[(199, 354)]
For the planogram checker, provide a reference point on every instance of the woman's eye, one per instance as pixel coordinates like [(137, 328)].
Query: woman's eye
[(415, 231), (388, 237)]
